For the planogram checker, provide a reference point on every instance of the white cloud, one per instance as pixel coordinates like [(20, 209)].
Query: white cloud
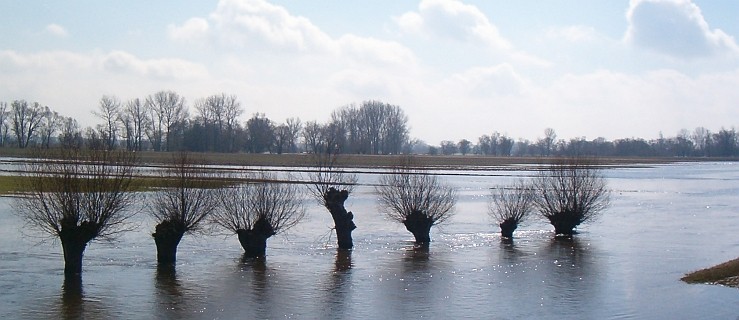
[(453, 20), (574, 34), (374, 50), (465, 24), (56, 30), (123, 62), (193, 30), (258, 26), (675, 28), (489, 82)]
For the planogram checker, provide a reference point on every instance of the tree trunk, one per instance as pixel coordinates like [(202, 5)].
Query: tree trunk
[(74, 239), (254, 241), (564, 223), (73, 251), (167, 237), (507, 227), (343, 220), (420, 226)]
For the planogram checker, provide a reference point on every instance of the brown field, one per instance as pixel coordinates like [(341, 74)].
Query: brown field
[(726, 274), (468, 162)]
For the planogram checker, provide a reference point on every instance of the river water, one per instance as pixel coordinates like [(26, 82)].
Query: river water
[(664, 221)]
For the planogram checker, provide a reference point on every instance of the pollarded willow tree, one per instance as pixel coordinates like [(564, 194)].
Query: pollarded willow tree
[(569, 192), (257, 210), (331, 186), (78, 196), (182, 207), (417, 199), (510, 205)]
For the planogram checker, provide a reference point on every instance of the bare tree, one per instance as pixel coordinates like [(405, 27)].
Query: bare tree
[(109, 111), (569, 192), (181, 208), (50, 124), (331, 186), (294, 126), (260, 134), (218, 115), (548, 143), (4, 125), (134, 119), (417, 199), (84, 196), (70, 136), (26, 119), (258, 210), (167, 112), (510, 205)]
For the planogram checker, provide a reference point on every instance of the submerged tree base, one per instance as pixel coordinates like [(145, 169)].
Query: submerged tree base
[(167, 237), (507, 227), (726, 274), (420, 226)]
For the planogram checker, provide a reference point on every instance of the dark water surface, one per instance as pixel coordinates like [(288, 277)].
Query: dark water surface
[(664, 222)]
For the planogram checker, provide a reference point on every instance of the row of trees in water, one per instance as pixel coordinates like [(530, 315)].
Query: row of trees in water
[(79, 195), (163, 121)]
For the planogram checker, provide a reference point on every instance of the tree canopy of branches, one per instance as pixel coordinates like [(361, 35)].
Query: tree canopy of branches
[(331, 187), (510, 205), (181, 208), (134, 119), (372, 128), (109, 111), (260, 134), (569, 192), (25, 120), (257, 210), (217, 119), (83, 196), (167, 116), (417, 199)]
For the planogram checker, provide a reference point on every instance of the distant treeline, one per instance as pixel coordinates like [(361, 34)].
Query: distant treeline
[(163, 121)]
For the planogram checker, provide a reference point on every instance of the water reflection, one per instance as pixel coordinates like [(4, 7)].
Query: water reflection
[(171, 301), (337, 291), (508, 250), (72, 303), (420, 288), (261, 296), (571, 277)]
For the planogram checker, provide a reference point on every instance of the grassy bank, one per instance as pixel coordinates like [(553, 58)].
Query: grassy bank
[(13, 185), (726, 274), (369, 161)]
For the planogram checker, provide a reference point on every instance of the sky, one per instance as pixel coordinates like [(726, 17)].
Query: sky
[(459, 69)]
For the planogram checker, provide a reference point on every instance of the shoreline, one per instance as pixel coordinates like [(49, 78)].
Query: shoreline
[(725, 274)]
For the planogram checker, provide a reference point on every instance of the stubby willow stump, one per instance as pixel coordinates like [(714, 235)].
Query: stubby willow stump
[(167, 237), (419, 224), (83, 197), (74, 239), (511, 205), (257, 211), (570, 192), (181, 208), (416, 199), (254, 240), (507, 227), (343, 220)]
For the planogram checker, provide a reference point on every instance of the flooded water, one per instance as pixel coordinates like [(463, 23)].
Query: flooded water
[(664, 221)]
